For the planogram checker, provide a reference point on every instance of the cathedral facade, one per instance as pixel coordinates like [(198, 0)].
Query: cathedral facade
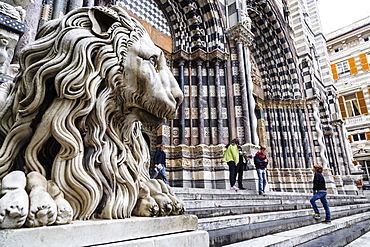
[(256, 70)]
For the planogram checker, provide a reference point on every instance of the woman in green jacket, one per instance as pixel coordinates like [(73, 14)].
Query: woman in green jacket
[(231, 157)]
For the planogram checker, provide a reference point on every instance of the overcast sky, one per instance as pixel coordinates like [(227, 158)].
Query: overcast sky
[(335, 14)]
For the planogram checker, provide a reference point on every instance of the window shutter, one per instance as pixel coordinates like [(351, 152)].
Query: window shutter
[(364, 63), (334, 71), (342, 107), (362, 102), (350, 139), (352, 65), (367, 134)]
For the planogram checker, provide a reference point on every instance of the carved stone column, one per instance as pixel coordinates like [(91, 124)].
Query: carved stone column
[(305, 145), (182, 106), (241, 35), (320, 135), (200, 102), (338, 124), (251, 100), (220, 135)]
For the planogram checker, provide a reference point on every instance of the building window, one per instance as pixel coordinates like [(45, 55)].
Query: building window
[(338, 49), (364, 61), (359, 137), (343, 67), (352, 106)]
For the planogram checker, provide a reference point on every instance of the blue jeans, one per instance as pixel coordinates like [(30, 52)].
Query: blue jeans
[(325, 204), (162, 172), (261, 180)]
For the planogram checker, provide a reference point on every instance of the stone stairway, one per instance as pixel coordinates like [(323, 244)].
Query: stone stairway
[(244, 218)]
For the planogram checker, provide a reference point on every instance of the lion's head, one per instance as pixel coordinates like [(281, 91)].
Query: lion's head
[(84, 88)]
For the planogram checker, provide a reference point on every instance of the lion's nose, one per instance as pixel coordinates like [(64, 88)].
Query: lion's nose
[(179, 100), (176, 91), (178, 95)]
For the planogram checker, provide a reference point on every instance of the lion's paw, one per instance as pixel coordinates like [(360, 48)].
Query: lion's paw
[(14, 200), (13, 215), (178, 206), (43, 209), (64, 209), (41, 214), (164, 202), (145, 206)]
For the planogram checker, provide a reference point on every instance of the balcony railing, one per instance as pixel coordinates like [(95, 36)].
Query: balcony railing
[(355, 120)]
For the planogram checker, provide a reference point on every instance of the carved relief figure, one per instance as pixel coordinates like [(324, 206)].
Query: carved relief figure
[(85, 87), (8, 41)]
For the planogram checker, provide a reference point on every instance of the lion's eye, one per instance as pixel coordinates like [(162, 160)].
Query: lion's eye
[(4, 42), (153, 61)]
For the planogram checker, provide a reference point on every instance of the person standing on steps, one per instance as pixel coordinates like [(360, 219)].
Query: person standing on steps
[(319, 192), (231, 157), (160, 163), (261, 162), (241, 167)]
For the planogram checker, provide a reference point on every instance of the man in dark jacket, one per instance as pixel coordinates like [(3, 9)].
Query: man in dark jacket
[(160, 163), (260, 161), (241, 167), (319, 192)]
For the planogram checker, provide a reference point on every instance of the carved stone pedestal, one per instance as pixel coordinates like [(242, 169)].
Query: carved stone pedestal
[(250, 180), (136, 231)]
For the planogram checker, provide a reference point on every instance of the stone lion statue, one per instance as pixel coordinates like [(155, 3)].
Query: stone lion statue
[(74, 114)]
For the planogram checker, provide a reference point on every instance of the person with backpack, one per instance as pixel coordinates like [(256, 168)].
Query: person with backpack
[(261, 162)]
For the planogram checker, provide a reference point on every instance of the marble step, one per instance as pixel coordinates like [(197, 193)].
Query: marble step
[(213, 223), (300, 235), (238, 210), (200, 198), (241, 232), (364, 240), (341, 237), (193, 205)]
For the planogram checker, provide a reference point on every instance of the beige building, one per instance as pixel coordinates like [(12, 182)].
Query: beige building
[(349, 53)]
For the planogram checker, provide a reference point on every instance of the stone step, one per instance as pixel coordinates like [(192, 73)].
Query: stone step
[(213, 223), (200, 204), (300, 235), (364, 240), (341, 237), (238, 210), (206, 198), (223, 236), (242, 216)]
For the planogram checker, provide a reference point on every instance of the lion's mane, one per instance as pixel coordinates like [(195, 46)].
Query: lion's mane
[(64, 116)]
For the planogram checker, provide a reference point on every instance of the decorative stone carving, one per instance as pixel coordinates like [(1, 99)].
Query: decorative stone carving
[(21, 3), (43, 210), (11, 11), (10, 30), (246, 20), (85, 87), (14, 200), (256, 78), (163, 201), (240, 33), (8, 42), (64, 209)]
